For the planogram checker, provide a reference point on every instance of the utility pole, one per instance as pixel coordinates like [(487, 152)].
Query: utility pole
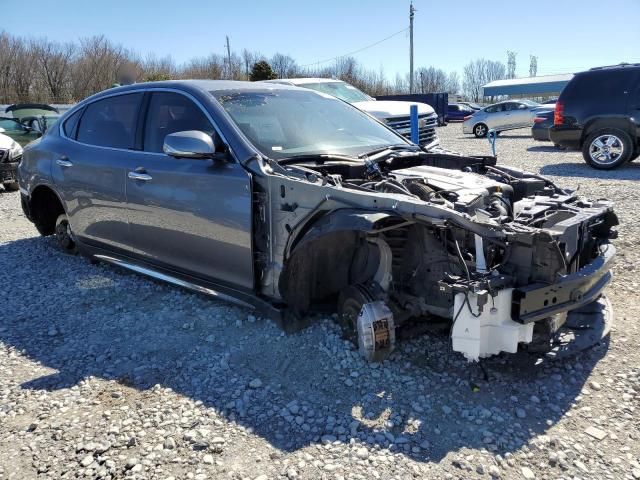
[(228, 58), (411, 13)]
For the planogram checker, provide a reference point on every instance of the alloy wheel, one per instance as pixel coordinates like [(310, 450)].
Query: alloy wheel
[(481, 130), (606, 149)]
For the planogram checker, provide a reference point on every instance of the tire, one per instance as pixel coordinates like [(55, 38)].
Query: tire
[(11, 186), (607, 148), (480, 130), (64, 235)]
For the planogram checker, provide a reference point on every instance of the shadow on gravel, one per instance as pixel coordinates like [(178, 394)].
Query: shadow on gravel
[(630, 171), (546, 148), (425, 401)]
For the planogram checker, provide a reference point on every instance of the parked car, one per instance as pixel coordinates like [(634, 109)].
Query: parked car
[(598, 112), (541, 124), (10, 156), (292, 201), (392, 112), (17, 131), (457, 112), (502, 116), (37, 117), (471, 105)]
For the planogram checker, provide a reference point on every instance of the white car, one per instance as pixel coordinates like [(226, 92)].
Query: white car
[(10, 155), (394, 113), (507, 115)]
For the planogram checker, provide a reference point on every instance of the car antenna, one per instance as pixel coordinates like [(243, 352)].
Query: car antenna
[(492, 136)]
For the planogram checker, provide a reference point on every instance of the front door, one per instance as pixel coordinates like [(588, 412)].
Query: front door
[(90, 167), (189, 215)]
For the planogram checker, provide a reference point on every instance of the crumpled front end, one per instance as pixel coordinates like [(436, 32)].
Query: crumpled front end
[(503, 255)]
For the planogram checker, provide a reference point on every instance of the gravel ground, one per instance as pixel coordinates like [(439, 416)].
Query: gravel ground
[(105, 374)]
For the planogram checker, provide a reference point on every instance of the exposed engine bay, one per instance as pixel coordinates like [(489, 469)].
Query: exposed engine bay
[(406, 236)]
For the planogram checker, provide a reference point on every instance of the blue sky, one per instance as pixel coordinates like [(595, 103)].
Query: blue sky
[(566, 35)]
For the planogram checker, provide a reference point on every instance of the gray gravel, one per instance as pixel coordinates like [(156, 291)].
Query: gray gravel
[(105, 374)]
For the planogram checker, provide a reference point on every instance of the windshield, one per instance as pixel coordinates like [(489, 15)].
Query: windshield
[(285, 123), (340, 90)]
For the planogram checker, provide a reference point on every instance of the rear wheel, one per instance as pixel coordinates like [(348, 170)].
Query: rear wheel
[(480, 130), (11, 186), (607, 148), (64, 235)]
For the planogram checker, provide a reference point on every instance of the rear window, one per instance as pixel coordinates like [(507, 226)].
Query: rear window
[(110, 122), (604, 83), (71, 123)]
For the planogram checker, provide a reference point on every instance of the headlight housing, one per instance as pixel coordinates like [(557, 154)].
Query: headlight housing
[(15, 150)]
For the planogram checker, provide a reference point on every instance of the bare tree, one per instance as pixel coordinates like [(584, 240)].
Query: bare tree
[(453, 83), (211, 67), (54, 64), (98, 64), (283, 66), (155, 68), (478, 73), (9, 51), (431, 80)]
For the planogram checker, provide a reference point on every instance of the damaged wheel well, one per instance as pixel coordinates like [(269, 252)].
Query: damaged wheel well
[(341, 249)]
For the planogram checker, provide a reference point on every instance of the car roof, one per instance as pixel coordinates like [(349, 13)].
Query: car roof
[(614, 67), (303, 81), (204, 85)]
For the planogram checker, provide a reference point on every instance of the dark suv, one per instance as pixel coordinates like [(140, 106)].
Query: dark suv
[(599, 113)]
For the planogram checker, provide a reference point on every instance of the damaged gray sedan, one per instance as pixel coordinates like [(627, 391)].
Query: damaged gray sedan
[(292, 202)]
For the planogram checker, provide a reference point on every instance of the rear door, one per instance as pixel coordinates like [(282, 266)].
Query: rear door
[(90, 168), (189, 215), (510, 114), (522, 115)]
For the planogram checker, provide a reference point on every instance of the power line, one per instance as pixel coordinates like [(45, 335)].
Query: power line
[(356, 51)]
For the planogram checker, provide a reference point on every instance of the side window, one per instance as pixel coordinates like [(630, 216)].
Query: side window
[(492, 109), (10, 125), (508, 107), (110, 122), (171, 112), (71, 123)]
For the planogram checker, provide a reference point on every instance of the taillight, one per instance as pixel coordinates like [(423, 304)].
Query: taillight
[(538, 120), (558, 114), (467, 117)]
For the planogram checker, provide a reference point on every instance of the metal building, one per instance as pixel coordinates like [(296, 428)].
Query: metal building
[(542, 86)]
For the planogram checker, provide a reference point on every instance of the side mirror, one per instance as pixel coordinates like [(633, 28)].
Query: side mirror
[(189, 144)]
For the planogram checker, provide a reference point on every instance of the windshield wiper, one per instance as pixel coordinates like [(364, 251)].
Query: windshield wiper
[(318, 158), (397, 146)]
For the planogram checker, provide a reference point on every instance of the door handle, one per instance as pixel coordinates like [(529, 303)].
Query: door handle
[(140, 174), (64, 162)]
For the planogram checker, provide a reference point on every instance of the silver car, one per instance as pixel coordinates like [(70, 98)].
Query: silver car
[(501, 116)]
